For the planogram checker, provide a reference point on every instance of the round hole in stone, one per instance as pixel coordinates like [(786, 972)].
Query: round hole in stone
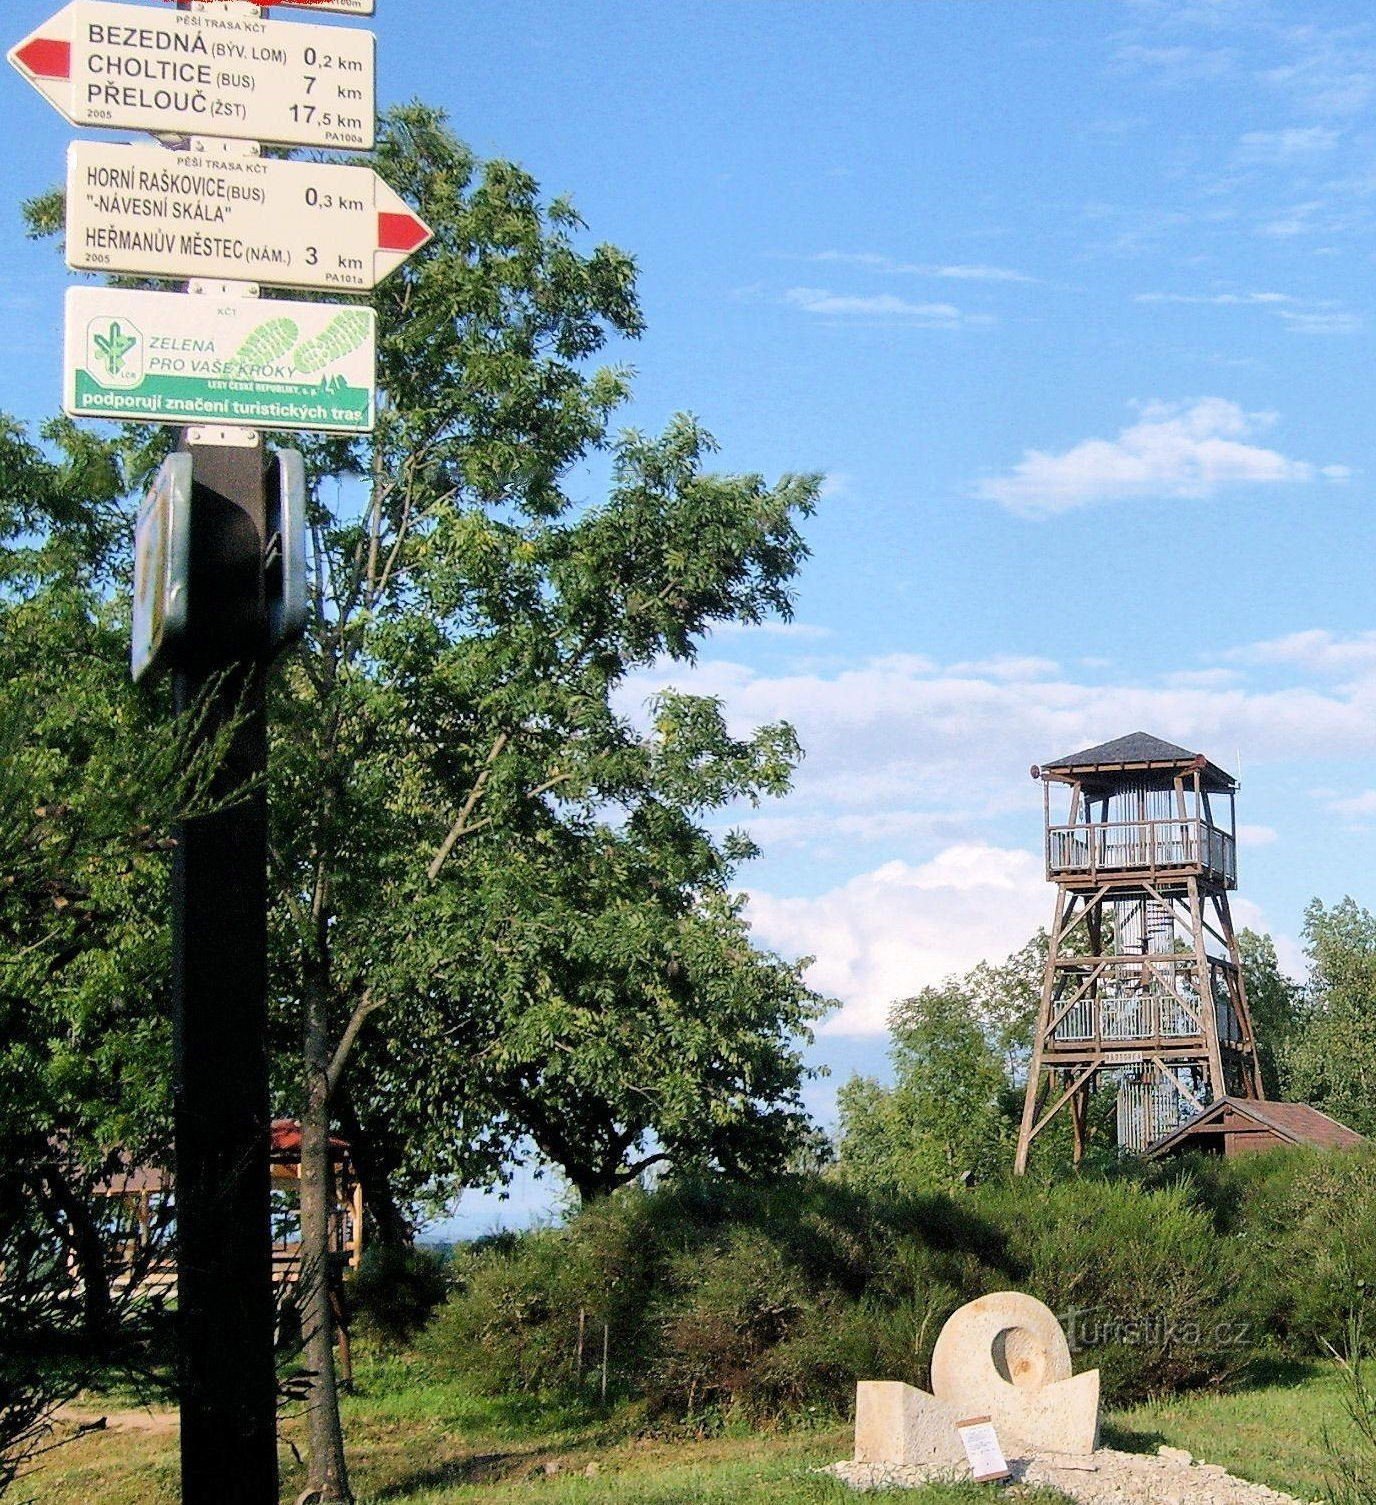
[(1020, 1358)]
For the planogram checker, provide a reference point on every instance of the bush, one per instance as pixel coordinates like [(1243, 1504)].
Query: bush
[(1144, 1287), (1302, 1223), (395, 1291), (722, 1301), (718, 1301)]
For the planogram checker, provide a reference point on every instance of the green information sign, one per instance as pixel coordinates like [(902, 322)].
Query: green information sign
[(169, 358)]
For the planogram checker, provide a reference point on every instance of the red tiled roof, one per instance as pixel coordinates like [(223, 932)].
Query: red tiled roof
[(286, 1141), (1301, 1123), (126, 1179), (1295, 1123)]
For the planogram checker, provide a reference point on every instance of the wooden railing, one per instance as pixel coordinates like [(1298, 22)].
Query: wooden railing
[(1147, 845), (1117, 1001)]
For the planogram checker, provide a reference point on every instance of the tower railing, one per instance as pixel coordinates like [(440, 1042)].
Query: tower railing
[(1151, 845), (1121, 1011)]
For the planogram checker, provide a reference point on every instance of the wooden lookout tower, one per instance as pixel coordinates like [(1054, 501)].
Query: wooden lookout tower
[(1143, 990)]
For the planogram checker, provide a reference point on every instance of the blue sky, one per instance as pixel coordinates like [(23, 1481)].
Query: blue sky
[(1070, 301)]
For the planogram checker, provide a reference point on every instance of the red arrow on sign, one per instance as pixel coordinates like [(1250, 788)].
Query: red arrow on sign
[(400, 232), (45, 57)]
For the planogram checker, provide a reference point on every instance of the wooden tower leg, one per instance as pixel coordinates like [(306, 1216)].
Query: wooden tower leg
[(1079, 1104), (1032, 1096), (1208, 1011), (1253, 1086)]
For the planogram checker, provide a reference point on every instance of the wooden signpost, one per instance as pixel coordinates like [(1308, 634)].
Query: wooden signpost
[(220, 541)]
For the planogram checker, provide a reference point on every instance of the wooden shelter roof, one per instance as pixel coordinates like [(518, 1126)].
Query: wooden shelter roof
[(286, 1143), (1293, 1123), (1140, 752), (128, 1179)]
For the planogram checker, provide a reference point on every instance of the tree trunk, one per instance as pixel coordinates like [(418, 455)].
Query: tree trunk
[(70, 1218), (328, 1475), (390, 1225)]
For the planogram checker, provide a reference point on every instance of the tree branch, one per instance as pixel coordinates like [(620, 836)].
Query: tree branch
[(365, 1006), (629, 1175), (474, 795)]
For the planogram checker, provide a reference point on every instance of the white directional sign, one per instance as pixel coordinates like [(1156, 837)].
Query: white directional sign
[(144, 210), (169, 358), (181, 73)]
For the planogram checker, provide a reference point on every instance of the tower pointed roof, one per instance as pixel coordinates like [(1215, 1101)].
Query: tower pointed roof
[(1140, 752)]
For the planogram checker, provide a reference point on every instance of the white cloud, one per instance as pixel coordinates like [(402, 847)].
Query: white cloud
[(1202, 679), (1172, 451), (1218, 300), (882, 306), (1316, 651), (1175, 66), (1286, 145), (1328, 76), (1318, 321), (887, 933), (916, 781), (1007, 666), (836, 486), (1359, 805), (950, 750), (799, 631), (957, 271), (1319, 318), (1299, 219), (978, 273)]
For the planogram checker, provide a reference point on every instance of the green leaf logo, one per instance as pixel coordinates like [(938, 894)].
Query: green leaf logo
[(113, 347)]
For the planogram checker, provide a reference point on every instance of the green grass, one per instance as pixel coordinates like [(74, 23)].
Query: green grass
[(416, 1442), (1272, 1433)]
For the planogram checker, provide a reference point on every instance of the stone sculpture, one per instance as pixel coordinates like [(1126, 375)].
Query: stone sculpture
[(1003, 1356)]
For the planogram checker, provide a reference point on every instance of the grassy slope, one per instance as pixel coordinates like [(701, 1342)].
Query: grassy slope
[(1273, 1434), (428, 1444)]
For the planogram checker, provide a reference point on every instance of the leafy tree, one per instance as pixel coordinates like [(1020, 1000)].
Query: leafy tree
[(92, 775), (1330, 1061), (497, 893), (626, 1019), (1005, 997), (1277, 1005), (476, 842), (944, 1121)]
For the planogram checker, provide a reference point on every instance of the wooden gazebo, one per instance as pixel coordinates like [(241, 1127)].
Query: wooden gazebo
[(148, 1195)]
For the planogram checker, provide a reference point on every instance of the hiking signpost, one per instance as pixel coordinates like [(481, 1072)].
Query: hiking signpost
[(207, 73), (297, 224), (220, 560)]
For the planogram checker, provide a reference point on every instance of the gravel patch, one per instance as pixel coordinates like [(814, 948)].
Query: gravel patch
[(1106, 1477)]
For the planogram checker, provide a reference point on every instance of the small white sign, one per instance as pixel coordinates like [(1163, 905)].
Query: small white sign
[(146, 357), (981, 1444), (155, 213), (183, 73)]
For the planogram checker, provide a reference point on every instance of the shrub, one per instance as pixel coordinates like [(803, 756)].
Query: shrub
[(722, 1322), (720, 1301), (1302, 1224), (1142, 1284), (395, 1291)]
